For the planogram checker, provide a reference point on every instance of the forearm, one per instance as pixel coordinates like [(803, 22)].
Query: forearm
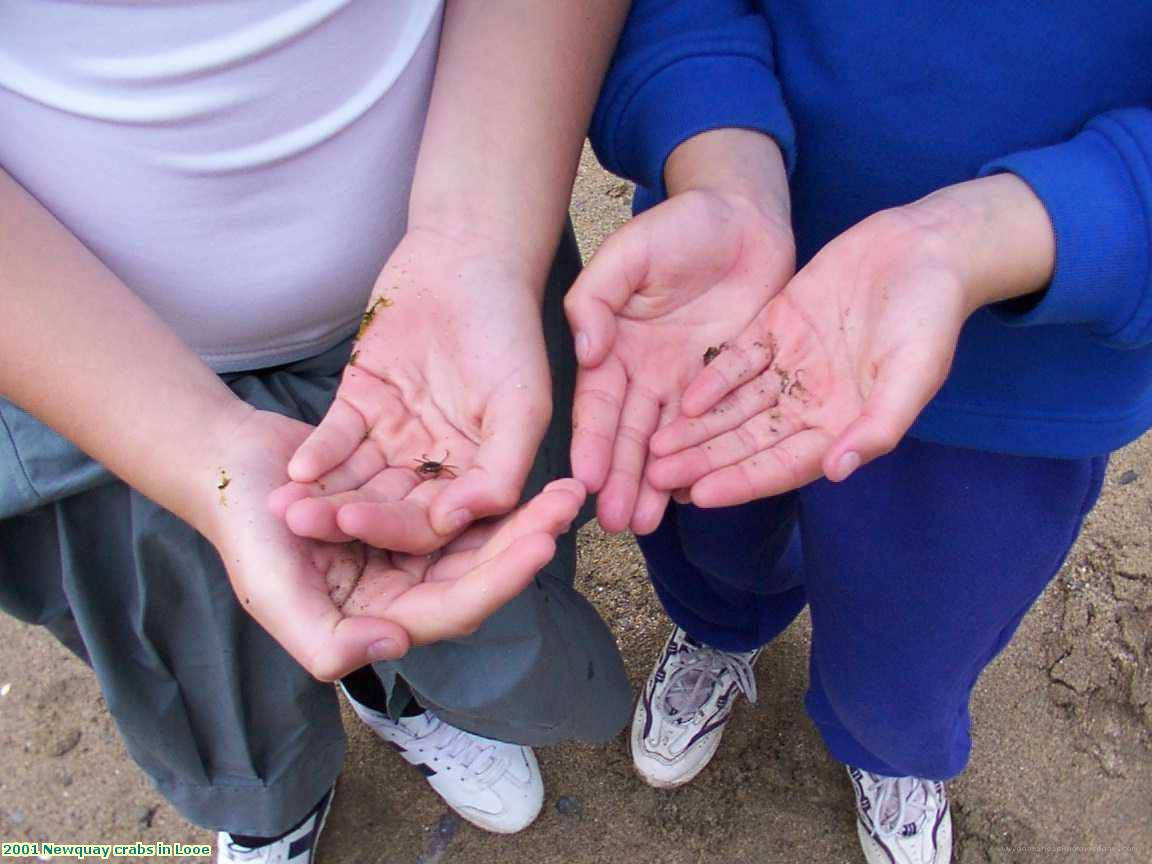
[(516, 82), (83, 354), (1001, 235), (739, 161)]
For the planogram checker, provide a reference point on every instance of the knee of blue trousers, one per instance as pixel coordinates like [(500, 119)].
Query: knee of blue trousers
[(893, 726), (753, 547)]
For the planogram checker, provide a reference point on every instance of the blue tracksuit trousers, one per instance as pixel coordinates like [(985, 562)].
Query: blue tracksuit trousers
[(917, 571)]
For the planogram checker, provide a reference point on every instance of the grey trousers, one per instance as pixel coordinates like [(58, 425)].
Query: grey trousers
[(229, 728)]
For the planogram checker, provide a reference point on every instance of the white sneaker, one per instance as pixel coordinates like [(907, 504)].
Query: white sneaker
[(296, 847), (902, 820), (684, 706), (493, 784)]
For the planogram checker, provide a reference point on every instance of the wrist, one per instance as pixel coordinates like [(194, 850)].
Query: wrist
[(492, 254), (1001, 234), (733, 162), (199, 488)]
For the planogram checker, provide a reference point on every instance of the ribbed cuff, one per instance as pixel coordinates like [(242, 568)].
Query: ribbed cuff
[(1102, 237), (698, 94)]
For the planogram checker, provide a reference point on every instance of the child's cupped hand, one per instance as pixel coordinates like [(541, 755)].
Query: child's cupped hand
[(663, 296), (441, 409), (832, 372), (337, 606)]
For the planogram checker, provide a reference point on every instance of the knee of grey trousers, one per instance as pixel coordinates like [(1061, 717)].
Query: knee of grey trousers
[(227, 726)]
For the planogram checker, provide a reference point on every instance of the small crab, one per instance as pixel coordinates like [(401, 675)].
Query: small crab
[(713, 352), (431, 469)]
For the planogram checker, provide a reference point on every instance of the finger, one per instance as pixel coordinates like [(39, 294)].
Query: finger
[(318, 518), (365, 464), (790, 464), (283, 497), (514, 422), (303, 620), (686, 467), (651, 503), (903, 386), (551, 511), (356, 641), (761, 394), (601, 291), (736, 364), (650, 506), (315, 518), (638, 419), (596, 409), (402, 526), (440, 609), (476, 535), (333, 441)]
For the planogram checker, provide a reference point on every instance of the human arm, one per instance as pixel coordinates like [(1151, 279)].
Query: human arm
[(1060, 235), (836, 367), (455, 363), (691, 108), (661, 295), (86, 356), (683, 68), (1097, 191)]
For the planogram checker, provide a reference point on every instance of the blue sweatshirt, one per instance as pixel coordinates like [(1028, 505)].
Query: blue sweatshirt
[(877, 104)]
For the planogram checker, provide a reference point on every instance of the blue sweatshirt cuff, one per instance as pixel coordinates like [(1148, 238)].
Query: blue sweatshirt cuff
[(1091, 186), (692, 95)]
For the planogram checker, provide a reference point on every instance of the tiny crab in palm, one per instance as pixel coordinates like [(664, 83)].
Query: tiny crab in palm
[(430, 469)]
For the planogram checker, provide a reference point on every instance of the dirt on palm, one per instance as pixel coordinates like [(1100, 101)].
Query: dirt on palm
[(1061, 771)]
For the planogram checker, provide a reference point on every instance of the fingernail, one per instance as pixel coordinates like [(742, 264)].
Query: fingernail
[(457, 520), (582, 345), (384, 649), (848, 463)]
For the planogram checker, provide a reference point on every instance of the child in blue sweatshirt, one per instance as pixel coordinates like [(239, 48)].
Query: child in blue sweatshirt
[(906, 432)]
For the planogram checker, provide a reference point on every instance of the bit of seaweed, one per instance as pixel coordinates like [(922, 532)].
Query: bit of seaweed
[(714, 351), (370, 315)]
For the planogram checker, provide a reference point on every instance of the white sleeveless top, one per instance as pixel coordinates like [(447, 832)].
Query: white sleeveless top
[(243, 166)]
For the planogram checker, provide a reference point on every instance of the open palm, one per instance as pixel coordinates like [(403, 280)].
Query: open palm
[(337, 606), (440, 411), (667, 289), (830, 374)]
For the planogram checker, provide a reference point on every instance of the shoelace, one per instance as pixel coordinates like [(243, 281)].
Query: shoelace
[(698, 672), (480, 759), (900, 801)]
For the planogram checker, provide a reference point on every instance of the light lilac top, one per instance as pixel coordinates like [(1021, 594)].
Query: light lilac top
[(243, 166)]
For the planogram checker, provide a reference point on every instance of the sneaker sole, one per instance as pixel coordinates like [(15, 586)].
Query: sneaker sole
[(659, 782), (478, 821), (471, 819)]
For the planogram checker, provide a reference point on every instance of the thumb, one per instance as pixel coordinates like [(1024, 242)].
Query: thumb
[(905, 382), (333, 441), (327, 644), (616, 271)]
